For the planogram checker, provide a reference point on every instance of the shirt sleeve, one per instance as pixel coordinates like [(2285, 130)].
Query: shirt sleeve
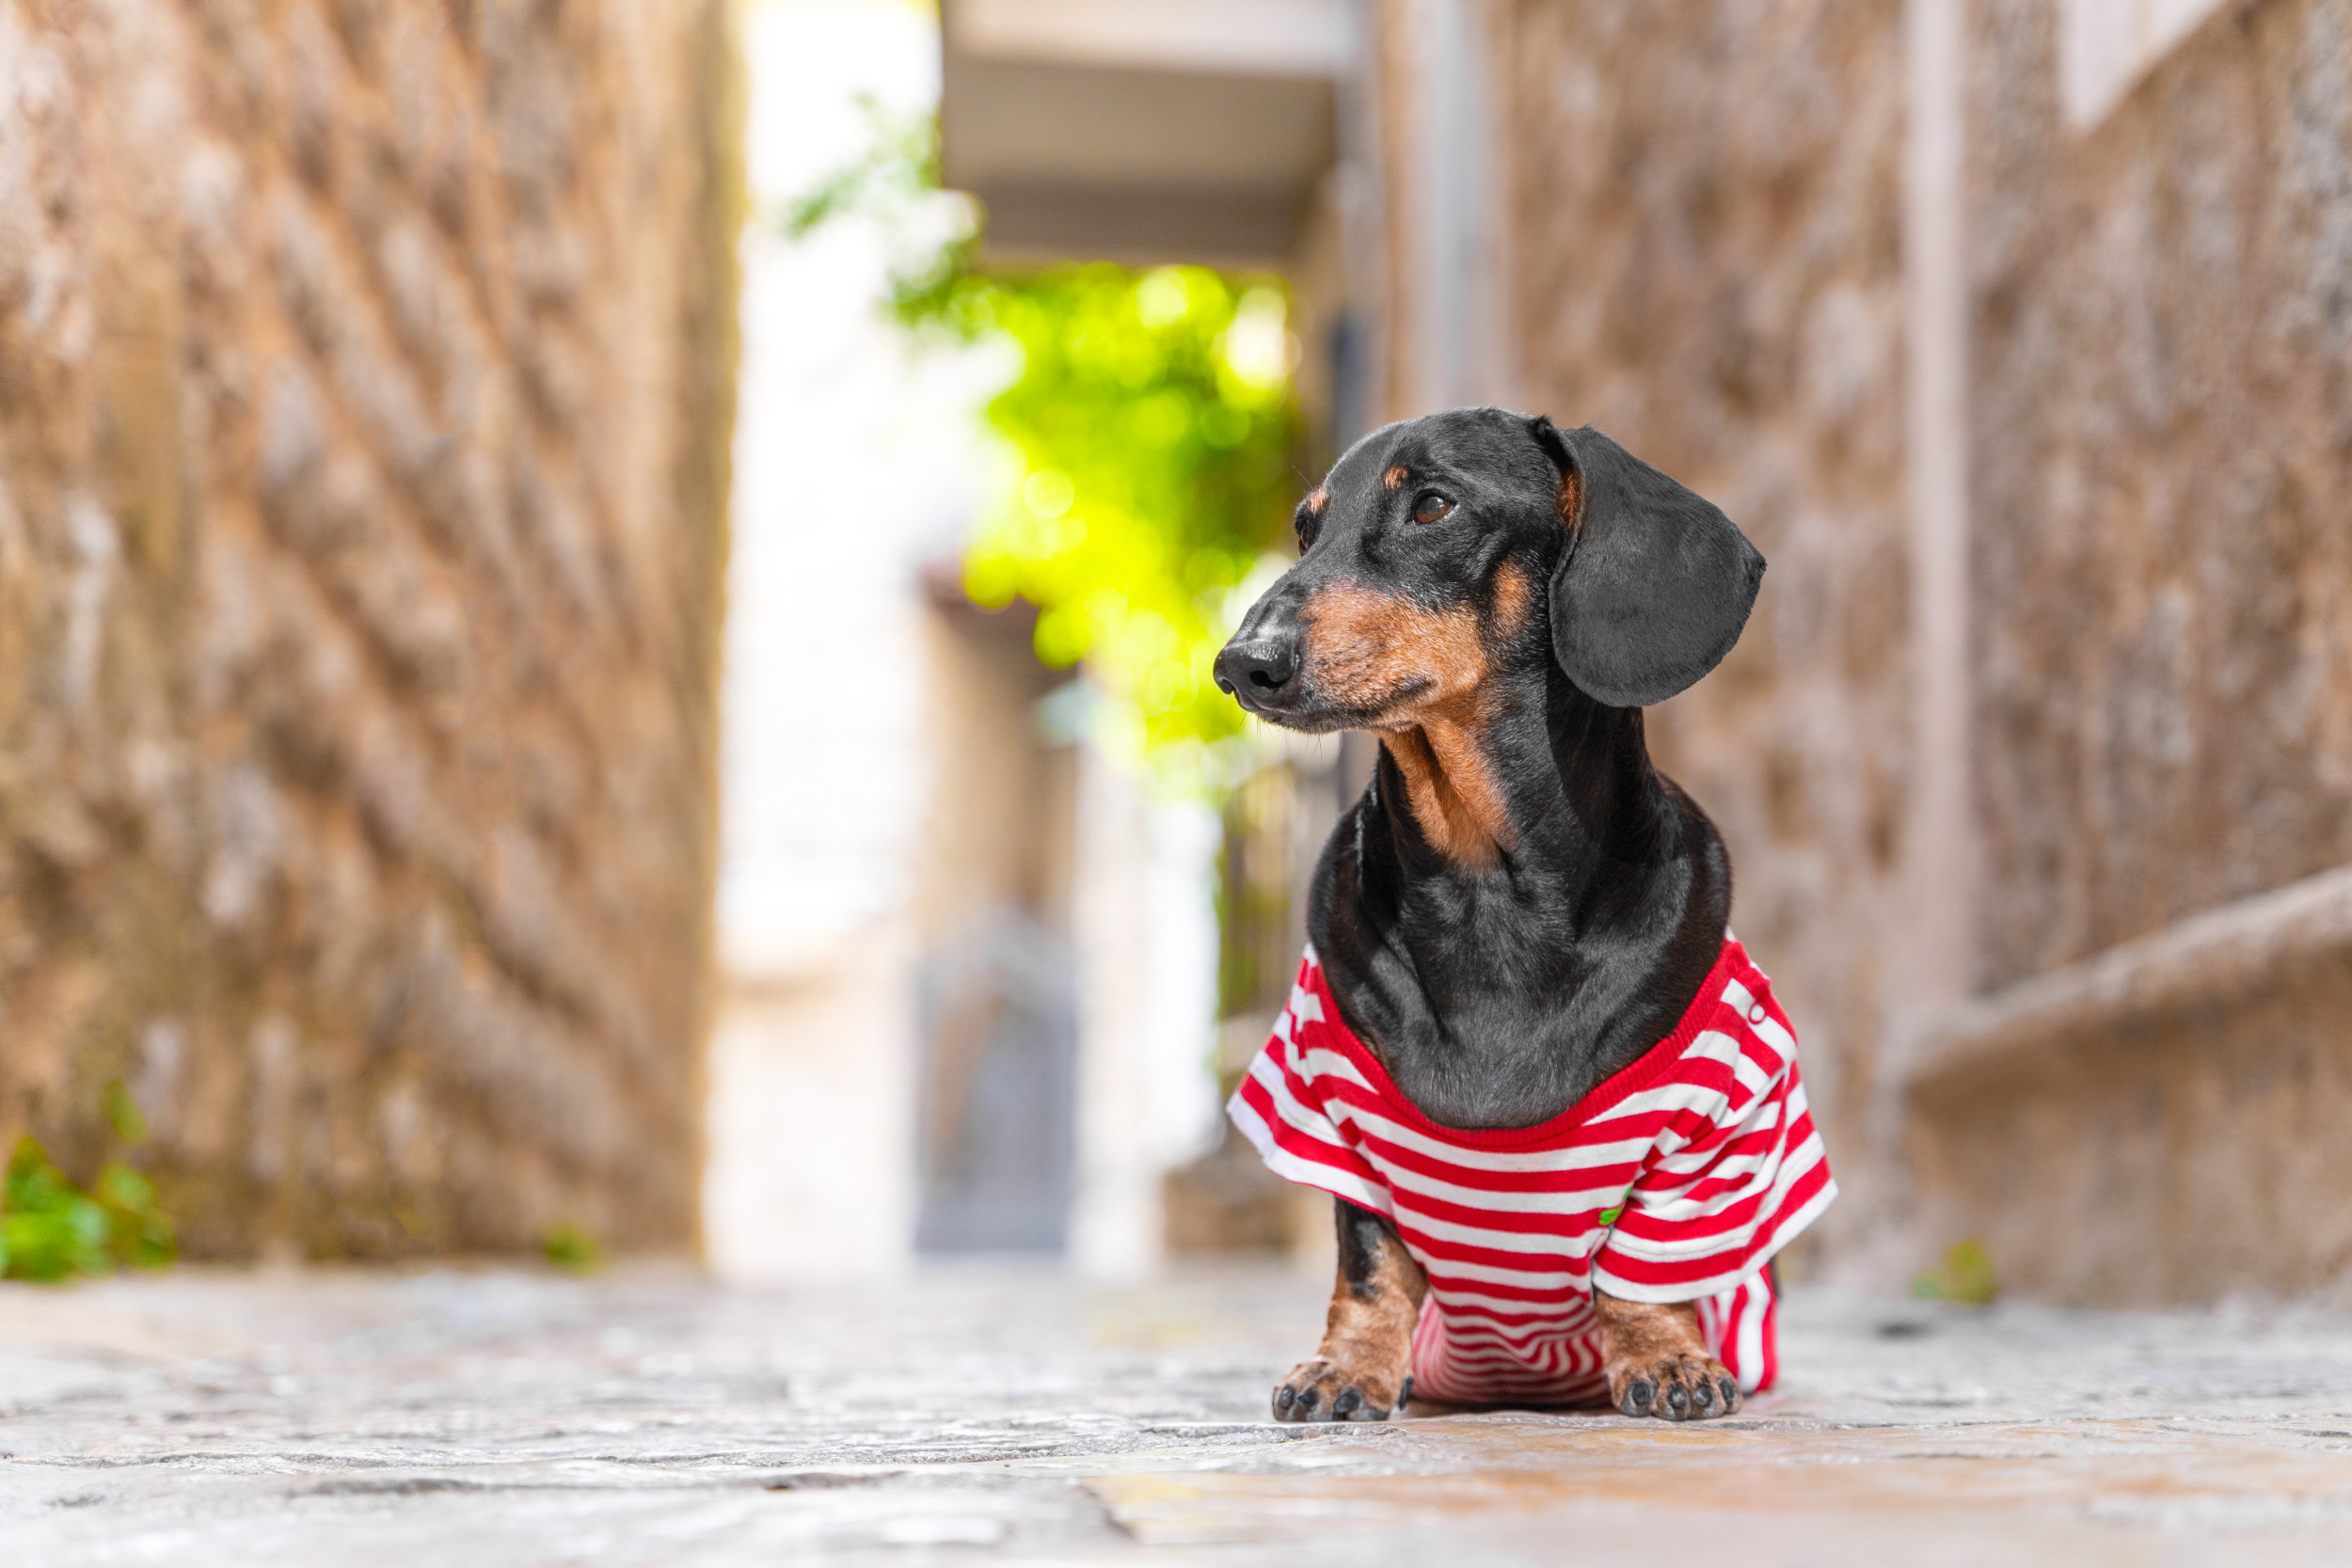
[(1737, 1172), (1279, 1109)]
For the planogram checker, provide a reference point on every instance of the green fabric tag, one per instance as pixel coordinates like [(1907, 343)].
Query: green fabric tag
[(1609, 1217)]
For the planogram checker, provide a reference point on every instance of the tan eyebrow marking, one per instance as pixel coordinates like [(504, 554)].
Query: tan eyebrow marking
[(1394, 479), (1317, 501)]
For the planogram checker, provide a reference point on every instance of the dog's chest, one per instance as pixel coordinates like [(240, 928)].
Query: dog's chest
[(1487, 1056)]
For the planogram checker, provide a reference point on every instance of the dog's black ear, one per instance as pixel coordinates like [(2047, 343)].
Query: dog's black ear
[(1655, 584)]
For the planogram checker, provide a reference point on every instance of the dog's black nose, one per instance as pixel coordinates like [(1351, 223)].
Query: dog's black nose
[(1257, 672)]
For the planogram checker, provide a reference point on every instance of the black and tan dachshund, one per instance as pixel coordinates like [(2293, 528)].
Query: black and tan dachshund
[(1520, 905)]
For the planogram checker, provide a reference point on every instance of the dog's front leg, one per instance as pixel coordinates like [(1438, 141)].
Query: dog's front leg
[(1656, 1361), (1359, 1371)]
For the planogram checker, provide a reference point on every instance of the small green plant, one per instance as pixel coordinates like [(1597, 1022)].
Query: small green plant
[(569, 1247), (1966, 1279), (123, 1114), (51, 1229)]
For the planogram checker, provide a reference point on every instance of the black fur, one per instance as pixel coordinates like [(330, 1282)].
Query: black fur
[(1657, 582), (1499, 996), (1362, 1235)]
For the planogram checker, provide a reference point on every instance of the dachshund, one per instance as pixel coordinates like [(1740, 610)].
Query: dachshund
[(1556, 1107)]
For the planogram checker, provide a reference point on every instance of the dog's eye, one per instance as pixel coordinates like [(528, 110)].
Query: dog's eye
[(1430, 506), (1309, 526)]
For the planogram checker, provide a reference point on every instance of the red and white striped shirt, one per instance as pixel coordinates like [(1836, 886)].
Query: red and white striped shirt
[(1676, 1179)]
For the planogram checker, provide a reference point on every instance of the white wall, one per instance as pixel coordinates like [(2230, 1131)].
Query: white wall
[(853, 464), (856, 462), (1145, 923)]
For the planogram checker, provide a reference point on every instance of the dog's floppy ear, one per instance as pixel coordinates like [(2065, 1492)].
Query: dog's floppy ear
[(1655, 584)]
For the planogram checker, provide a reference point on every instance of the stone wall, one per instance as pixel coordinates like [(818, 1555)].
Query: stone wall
[(365, 393), (2162, 420), (1703, 258), (1701, 248), (2161, 427)]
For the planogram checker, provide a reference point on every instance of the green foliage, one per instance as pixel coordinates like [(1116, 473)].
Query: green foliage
[(50, 1229), (1150, 429), (1965, 1279), (1153, 427), (570, 1247)]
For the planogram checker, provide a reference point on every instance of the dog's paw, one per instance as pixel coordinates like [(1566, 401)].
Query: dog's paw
[(1674, 1388), (1323, 1390)]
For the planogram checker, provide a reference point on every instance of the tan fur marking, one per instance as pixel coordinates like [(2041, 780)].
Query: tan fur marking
[(1368, 1337), (1452, 792), (1394, 479), (1660, 1343), (1512, 601), (1374, 650), (1316, 501), (1422, 674), (1572, 502)]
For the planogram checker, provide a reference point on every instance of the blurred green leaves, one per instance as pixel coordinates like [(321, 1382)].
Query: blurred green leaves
[(50, 1229), (572, 1249), (1152, 426), (1966, 1278), (1150, 432)]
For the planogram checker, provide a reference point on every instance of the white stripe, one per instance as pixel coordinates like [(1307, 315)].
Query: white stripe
[(1619, 1152), (1503, 1304), (1560, 1248), (1289, 1166), (1293, 1110), (1494, 1201), (1533, 1279), (1787, 1228), (1750, 1324), (1319, 1062), (1673, 1094)]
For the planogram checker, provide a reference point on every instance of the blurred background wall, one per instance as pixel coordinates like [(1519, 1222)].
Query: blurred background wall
[(966, 959), (366, 381), (368, 466), (2012, 333)]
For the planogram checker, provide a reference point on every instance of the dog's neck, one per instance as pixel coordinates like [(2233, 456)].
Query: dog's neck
[(1452, 790), (1520, 905), (1528, 775)]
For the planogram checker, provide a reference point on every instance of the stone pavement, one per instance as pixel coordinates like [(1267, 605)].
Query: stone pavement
[(504, 1418)]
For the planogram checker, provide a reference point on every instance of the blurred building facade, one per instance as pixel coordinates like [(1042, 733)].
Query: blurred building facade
[(366, 382), (965, 981), (1210, 133), (2012, 333)]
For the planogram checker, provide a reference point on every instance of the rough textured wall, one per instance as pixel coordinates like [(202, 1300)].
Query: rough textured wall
[(1704, 202), (2194, 1157), (2162, 421), (365, 373)]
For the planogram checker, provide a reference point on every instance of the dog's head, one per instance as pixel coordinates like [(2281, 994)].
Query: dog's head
[(1437, 544)]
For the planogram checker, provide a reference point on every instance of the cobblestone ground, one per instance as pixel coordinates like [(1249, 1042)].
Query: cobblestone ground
[(352, 1419)]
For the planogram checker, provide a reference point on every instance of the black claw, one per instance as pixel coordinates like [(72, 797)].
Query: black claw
[(1678, 1399), (1307, 1397), (1282, 1398), (1346, 1404), (1731, 1393), (1638, 1395)]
